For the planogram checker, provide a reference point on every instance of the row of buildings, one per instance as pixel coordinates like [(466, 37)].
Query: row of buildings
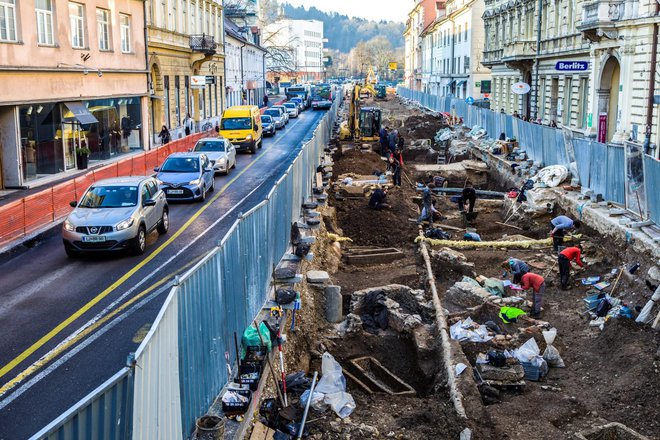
[(107, 75), (589, 64)]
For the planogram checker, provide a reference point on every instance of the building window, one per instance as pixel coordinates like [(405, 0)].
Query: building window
[(584, 102), (7, 20), (163, 14), (193, 7), (166, 86), (568, 103), (125, 26), (543, 96), (44, 11), (103, 24), (174, 16), (77, 20), (466, 64), (459, 33), (184, 16), (466, 31)]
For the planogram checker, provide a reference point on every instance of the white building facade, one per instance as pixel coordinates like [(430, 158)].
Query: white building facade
[(299, 45), (245, 65), (453, 52), (413, 47)]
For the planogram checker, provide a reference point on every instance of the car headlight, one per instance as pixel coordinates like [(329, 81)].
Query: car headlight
[(69, 226), (248, 137), (125, 224), (194, 182)]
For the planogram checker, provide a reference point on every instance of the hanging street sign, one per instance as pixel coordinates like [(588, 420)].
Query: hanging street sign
[(572, 66), (198, 82), (520, 88)]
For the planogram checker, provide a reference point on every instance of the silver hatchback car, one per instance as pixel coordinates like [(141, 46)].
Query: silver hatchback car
[(116, 214)]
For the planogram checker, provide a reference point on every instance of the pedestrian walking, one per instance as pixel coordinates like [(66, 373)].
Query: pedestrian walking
[(564, 261), (560, 225), (188, 125), (164, 135), (537, 284), (265, 100)]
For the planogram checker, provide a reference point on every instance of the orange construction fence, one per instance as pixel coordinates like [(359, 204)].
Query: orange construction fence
[(32, 213)]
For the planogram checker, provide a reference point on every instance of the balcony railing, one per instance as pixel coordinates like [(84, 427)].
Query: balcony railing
[(602, 12), (203, 43), (520, 50), (492, 56)]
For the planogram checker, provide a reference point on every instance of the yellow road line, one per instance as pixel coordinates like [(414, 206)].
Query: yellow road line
[(55, 331)]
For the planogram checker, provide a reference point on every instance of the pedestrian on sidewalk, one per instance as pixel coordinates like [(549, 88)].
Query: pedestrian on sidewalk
[(517, 267), (378, 200), (565, 258), (188, 125), (537, 284), (164, 135), (265, 100), (384, 146), (560, 225)]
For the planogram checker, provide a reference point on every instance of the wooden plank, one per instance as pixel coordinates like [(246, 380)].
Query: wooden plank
[(510, 226), (262, 432), (358, 252)]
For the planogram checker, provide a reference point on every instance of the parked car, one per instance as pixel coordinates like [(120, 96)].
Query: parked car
[(269, 125), (186, 176), (285, 111), (220, 152), (278, 117), (299, 102), (116, 214), (292, 109)]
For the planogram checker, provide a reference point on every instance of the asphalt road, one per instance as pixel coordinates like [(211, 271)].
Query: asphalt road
[(56, 348)]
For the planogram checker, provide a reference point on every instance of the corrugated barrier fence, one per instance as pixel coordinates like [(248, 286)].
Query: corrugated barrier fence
[(622, 174), (181, 363)]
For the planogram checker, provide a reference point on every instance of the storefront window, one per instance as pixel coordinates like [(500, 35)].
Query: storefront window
[(51, 133)]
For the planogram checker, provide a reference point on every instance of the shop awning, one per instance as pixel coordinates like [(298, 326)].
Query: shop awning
[(81, 113), (461, 82), (451, 83)]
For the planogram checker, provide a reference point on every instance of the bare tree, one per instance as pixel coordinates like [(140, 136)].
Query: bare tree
[(280, 49)]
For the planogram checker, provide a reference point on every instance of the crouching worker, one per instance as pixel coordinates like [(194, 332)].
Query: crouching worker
[(517, 267), (537, 284), (378, 199), (560, 226)]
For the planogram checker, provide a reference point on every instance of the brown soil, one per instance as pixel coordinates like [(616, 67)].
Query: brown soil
[(357, 162)]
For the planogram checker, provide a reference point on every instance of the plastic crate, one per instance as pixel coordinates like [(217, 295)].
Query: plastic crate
[(249, 368), (237, 408), (592, 301), (531, 372), (256, 353)]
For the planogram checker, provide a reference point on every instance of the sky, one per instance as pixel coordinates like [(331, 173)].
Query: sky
[(393, 10)]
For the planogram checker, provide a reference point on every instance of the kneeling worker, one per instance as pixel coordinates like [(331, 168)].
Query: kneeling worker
[(537, 284), (467, 200), (517, 267), (377, 200)]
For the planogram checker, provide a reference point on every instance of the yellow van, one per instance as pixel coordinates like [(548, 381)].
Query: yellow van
[(241, 125)]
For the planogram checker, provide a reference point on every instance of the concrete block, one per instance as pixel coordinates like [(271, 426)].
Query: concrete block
[(333, 304), (308, 240), (318, 276)]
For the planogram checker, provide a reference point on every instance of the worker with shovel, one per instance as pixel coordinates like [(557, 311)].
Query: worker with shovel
[(560, 225), (537, 284), (565, 258)]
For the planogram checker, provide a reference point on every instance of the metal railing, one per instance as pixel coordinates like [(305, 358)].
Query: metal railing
[(181, 362), (600, 167), (203, 43)]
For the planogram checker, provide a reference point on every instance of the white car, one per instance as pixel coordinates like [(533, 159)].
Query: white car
[(292, 109), (285, 111), (220, 152)]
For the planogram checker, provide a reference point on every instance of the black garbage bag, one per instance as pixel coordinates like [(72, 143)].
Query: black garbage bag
[(285, 296), (437, 234), (374, 312), (295, 234), (302, 249), (297, 383)]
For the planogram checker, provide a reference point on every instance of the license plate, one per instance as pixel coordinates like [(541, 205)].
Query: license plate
[(93, 238), (175, 191)]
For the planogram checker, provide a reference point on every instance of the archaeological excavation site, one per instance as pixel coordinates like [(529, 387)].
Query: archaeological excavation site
[(457, 323)]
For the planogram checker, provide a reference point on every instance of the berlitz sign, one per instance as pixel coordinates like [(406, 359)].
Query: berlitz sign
[(572, 65)]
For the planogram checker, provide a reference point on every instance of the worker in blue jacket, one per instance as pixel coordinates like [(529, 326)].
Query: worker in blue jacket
[(560, 226)]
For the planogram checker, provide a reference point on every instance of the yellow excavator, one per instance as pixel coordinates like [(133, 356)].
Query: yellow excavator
[(364, 123)]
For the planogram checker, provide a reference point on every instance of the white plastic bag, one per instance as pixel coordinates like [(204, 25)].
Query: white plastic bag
[(551, 354), (528, 351), (333, 379), (317, 400), (341, 402)]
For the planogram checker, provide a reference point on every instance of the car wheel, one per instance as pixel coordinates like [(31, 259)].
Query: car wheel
[(261, 143), (70, 252), (164, 224), (253, 149), (140, 241), (203, 196)]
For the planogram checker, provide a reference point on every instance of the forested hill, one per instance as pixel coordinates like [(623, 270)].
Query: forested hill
[(343, 32)]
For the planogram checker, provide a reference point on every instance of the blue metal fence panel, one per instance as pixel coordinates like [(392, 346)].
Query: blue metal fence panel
[(106, 413), (616, 174), (652, 182), (582, 148)]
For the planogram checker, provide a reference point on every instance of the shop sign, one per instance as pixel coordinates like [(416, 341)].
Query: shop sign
[(198, 82), (602, 128), (209, 79), (520, 88), (572, 66)]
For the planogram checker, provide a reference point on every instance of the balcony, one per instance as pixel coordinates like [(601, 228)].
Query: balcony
[(519, 50), (492, 57), (203, 43), (599, 19)]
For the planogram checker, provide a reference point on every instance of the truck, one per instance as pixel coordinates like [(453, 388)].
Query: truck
[(322, 96), (302, 91)]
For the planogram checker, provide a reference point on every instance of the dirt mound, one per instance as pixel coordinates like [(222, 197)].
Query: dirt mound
[(422, 127), (386, 228), (357, 162)]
